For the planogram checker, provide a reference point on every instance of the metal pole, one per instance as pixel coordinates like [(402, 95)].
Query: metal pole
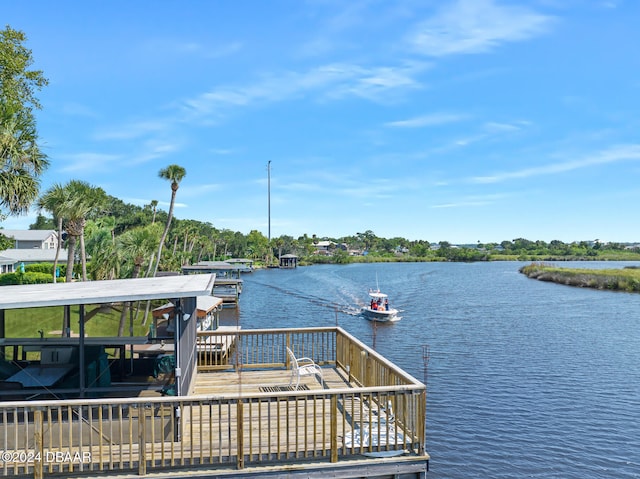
[(81, 352), (269, 199)]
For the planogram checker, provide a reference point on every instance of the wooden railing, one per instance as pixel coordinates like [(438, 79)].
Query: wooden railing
[(149, 435), (264, 348)]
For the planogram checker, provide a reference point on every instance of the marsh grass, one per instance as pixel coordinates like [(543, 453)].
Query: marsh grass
[(626, 279)]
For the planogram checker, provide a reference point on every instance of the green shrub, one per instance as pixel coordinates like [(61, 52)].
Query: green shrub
[(45, 268), (39, 268), (25, 278)]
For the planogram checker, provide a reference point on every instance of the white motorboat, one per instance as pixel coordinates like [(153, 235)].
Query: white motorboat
[(378, 308)]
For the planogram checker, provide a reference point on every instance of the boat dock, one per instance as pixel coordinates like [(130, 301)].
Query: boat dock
[(228, 283)]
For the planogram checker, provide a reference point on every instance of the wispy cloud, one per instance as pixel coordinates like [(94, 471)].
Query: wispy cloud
[(460, 204), (433, 119), (98, 162), (496, 127), (178, 48), (482, 200), (224, 50), (612, 155), (88, 161), (199, 190), (338, 22), (134, 130), (476, 26), (78, 110), (302, 187), (153, 150), (223, 151), (488, 131), (332, 81), (344, 185), (378, 83)]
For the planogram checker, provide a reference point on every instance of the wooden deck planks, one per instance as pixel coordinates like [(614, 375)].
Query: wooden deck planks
[(248, 382), (278, 427)]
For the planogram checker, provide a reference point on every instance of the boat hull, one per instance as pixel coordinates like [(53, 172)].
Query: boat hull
[(380, 316)]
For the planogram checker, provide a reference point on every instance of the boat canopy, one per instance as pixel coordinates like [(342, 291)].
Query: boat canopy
[(377, 294)]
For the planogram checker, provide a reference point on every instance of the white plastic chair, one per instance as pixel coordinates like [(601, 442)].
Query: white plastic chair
[(302, 367)]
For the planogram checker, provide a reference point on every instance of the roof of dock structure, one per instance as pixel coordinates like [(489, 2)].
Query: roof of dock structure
[(107, 291), (213, 265), (204, 305)]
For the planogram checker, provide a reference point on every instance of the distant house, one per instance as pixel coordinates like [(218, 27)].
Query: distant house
[(30, 239), (327, 247), (324, 247), (30, 246)]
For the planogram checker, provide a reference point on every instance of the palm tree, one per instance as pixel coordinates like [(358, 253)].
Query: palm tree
[(138, 245), (154, 208), (52, 201), (21, 161), (106, 258), (174, 174), (81, 200)]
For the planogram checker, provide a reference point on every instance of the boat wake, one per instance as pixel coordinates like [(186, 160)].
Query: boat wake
[(340, 296), (324, 302)]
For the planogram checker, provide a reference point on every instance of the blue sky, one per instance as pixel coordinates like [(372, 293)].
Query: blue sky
[(460, 121)]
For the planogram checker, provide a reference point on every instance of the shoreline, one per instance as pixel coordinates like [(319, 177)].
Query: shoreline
[(625, 280)]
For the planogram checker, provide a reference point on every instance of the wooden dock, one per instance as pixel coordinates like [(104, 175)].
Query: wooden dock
[(363, 417), (229, 290), (252, 382)]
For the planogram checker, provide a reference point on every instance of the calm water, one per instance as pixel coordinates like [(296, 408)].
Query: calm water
[(525, 378)]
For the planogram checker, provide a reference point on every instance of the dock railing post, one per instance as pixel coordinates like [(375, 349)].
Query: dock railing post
[(240, 438), (422, 436), (142, 450), (287, 342), (37, 436), (334, 428)]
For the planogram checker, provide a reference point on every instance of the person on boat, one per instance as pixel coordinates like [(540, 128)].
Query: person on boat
[(374, 305), (379, 303), (386, 304)]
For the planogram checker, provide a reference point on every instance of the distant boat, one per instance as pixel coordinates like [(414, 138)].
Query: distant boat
[(378, 308)]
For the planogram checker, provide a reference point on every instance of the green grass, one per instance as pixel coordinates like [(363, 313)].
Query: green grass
[(25, 323), (626, 279)]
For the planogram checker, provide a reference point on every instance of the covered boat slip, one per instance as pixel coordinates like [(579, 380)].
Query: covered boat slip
[(87, 353), (362, 417), (228, 285)]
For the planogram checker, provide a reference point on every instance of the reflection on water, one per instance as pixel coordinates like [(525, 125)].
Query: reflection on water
[(525, 378)]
